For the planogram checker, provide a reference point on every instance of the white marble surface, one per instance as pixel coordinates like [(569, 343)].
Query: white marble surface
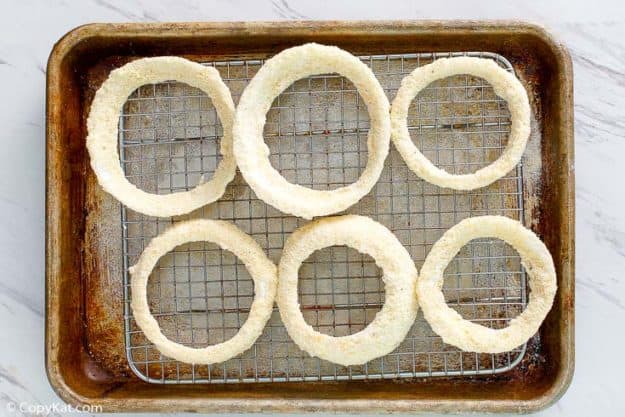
[(594, 31)]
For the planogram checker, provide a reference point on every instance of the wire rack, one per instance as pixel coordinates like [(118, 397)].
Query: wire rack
[(316, 131)]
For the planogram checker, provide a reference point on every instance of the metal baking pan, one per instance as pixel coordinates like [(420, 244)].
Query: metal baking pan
[(316, 131)]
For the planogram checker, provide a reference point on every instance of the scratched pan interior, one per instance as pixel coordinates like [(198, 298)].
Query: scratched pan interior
[(316, 131)]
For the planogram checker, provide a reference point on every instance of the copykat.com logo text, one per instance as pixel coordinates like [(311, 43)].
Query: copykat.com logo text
[(49, 409)]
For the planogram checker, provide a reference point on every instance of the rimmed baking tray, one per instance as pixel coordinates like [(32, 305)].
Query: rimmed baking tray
[(94, 355)]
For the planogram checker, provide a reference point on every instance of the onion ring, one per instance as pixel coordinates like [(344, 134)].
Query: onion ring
[(229, 237), (102, 139), (506, 86), (473, 337), (252, 153), (391, 323)]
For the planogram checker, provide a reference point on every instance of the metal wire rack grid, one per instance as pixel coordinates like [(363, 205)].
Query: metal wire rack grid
[(316, 131)]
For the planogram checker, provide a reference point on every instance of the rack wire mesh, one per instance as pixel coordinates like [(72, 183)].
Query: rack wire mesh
[(316, 131)]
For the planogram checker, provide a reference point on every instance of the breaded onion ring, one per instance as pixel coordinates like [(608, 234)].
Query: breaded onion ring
[(473, 337), (102, 125), (228, 237), (506, 86), (390, 325), (252, 153)]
